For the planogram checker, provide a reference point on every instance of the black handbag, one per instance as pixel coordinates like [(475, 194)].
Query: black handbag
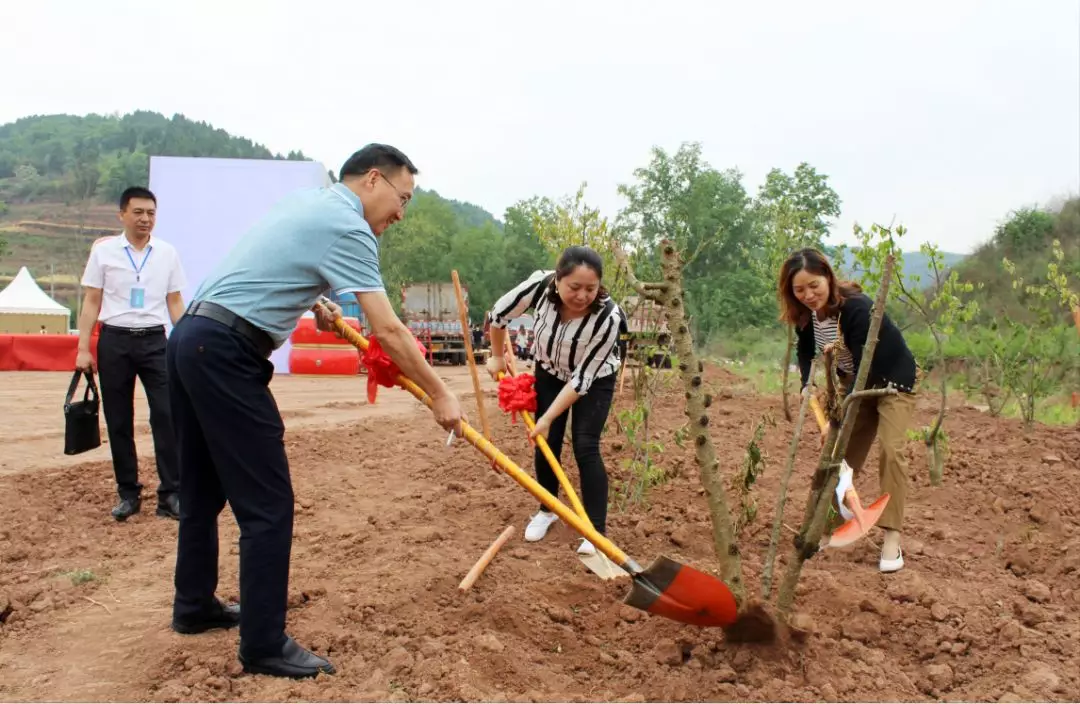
[(82, 432)]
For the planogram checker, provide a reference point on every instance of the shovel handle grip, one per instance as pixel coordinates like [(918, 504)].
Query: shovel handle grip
[(556, 467), (507, 465)]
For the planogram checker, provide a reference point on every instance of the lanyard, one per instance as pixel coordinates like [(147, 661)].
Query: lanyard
[(138, 269)]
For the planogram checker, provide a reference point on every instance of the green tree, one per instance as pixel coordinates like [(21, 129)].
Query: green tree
[(1041, 357), (571, 221), (85, 173), (706, 214), (7, 165), (122, 170), (28, 182), (523, 252), (940, 307), (1026, 229), (477, 254), (415, 249)]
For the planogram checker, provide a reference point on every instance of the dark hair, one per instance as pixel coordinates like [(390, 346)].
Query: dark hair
[(794, 311), (135, 192), (570, 259), (376, 156)]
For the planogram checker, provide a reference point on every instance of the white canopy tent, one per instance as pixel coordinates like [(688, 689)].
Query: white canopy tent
[(26, 309)]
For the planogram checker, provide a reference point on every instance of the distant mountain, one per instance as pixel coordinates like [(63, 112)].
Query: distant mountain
[(70, 157), (471, 215), (916, 265), (60, 177)]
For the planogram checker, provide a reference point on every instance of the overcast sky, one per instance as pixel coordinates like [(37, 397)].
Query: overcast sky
[(945, 114)]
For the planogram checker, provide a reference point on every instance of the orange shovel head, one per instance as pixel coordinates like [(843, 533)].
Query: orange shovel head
[(851, 531), (673, 590)]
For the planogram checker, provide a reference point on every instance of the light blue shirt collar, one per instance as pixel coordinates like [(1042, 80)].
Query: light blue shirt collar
[(351, 198)]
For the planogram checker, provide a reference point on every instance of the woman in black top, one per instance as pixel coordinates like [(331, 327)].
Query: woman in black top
[(575, 348), (829, 313)]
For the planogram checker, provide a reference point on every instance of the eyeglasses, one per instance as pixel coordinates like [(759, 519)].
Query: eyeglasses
[(405, 197)]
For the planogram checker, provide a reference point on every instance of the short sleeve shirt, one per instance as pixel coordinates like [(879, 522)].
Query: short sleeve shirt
[(118, 269), (311, 241)]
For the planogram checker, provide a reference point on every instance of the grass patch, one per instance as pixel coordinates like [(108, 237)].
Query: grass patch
[(78, 577)]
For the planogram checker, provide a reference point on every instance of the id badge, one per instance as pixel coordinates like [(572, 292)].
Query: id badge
[(137, 297)]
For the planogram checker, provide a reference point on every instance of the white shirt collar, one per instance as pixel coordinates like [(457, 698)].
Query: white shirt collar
[(126, 243)]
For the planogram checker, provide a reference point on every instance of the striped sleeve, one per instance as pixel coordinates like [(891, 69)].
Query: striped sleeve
[(518, 299), (598, 351)]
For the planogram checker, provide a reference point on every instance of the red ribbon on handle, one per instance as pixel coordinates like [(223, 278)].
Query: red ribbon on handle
[(381, 369), (516, 394)]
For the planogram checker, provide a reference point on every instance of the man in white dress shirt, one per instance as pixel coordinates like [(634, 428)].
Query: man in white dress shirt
[(133, 286)]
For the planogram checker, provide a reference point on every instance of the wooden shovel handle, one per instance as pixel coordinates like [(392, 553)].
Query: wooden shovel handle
[(508, 466), (485, 559), (479, 392), (819, 412)]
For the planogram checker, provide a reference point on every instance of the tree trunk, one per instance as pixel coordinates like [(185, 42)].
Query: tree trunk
[(933, 445), (933, 449), (690, 369), (785, 372), (781, 501), (827, 474), (669, 294)]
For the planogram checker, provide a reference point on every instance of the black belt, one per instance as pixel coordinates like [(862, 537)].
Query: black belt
[(135, 332), (256, 335)]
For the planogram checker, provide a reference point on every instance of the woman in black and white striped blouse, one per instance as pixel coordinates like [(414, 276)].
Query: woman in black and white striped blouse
[(576, 334)]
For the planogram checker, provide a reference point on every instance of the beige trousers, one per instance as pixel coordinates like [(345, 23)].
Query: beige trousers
[(888, 418)]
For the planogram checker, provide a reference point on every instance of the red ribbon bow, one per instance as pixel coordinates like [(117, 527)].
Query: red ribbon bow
[(381, 369), (516, 394)]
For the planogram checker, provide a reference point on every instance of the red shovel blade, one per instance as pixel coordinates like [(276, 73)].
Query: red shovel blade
[(852, 530), (673, 590)]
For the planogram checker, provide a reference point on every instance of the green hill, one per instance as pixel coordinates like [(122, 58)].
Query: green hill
[(1026, 239), (471, 215), (60, 176), (68, 158)]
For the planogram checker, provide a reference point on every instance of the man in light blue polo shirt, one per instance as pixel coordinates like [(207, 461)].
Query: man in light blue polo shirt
[(229, 431)]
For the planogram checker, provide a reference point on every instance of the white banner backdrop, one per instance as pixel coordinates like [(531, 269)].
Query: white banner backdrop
[(206, 205)]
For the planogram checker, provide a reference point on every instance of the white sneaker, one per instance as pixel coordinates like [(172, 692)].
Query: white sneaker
[(586, 548), (894, 565), (538, 526)]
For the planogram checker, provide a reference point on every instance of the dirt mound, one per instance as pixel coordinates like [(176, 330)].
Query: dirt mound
[(389, 520)]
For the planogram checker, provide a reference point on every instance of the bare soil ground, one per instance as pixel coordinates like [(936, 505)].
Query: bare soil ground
[(389, 520)]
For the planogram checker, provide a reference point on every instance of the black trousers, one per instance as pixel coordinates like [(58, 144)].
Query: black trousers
[(232, 448), (587, 418), (123, 356)]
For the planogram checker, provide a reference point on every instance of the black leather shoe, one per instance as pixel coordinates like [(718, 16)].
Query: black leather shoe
[(218, 616), (293, 661), (126, 509), (169, 506)]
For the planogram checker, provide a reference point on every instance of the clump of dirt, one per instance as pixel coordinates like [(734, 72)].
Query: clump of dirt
[(389, 520), (754, 625)]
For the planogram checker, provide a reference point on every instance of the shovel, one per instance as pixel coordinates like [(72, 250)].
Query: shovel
[(667, 588), (598, 563), (858, 520)]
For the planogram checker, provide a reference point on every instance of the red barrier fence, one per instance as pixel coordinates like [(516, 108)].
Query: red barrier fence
[(41, 353)]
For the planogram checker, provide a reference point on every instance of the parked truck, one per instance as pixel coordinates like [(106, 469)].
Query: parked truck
[(430, 310)]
